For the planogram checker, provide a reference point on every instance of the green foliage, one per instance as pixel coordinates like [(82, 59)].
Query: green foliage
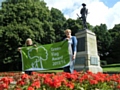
[(108, 43), (103, 40), (22, 19), (115, 45), (58, 20), (49, 36), (73, 25)]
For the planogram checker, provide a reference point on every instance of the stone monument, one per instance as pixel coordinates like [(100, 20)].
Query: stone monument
[(87, 55)]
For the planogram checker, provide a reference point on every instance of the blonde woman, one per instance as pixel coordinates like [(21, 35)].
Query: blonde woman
[(28, 42), (72, 47)]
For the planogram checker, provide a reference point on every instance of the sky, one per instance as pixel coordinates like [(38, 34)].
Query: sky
[(100, 11)]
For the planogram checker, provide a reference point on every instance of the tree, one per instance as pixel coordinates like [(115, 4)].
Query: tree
[(103, 41), (115, 45), (22, 19), (58, 20), (73, 25)]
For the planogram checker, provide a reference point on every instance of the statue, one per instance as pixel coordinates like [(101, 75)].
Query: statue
[(84, 12)]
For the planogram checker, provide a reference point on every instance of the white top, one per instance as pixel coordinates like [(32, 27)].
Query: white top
[(70, 46)]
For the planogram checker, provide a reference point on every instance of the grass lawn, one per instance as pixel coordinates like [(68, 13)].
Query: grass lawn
[(111, 68), (50, 71), (106, 68)]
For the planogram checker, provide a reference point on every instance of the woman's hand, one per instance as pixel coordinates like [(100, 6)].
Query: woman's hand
[(73, 57), (67, 38), (35, 45), (19, 49)]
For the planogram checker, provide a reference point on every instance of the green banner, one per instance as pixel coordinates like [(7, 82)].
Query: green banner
[(44, 57)]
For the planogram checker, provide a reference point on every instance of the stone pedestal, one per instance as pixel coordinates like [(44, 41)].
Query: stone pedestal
[(87, 55)]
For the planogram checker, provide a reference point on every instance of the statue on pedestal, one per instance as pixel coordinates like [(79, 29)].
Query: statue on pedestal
[(87, 57), (84, 12)]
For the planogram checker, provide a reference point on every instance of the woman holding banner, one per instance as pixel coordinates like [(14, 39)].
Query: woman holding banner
[(28, 42), (72, 47)]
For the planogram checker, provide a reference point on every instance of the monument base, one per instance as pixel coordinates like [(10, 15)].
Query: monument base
[(93, 69)]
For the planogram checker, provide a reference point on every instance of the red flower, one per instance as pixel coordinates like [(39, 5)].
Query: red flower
[(30, 88), (55, 83), (36, 84), (21, 83), (6, 80), (25, 76), (118, 81), (93, 82), (47, 80), (118, 86), (70, 85), (3, 86)]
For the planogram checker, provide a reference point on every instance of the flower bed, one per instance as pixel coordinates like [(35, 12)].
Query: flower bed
[(59, 81)]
